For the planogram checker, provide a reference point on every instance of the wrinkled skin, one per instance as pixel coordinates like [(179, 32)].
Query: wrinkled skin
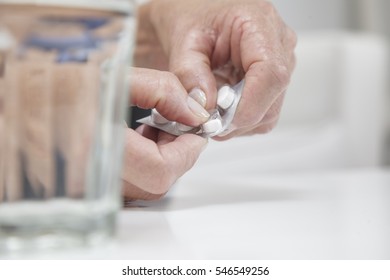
[(199, 44), (204, 44), (154, 159), (208, 43)]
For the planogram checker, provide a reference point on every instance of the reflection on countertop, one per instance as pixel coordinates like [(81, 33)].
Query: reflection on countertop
[(323, 215)]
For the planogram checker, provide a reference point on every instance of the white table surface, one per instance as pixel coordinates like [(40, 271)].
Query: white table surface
[(323, 215)]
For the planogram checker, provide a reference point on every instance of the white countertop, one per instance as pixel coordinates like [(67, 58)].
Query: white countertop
[(329, 215)]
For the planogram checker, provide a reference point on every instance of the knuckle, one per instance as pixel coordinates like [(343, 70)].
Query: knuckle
[(183, 69), (191, 158), (168, 82), (160, 180), (281, 75), (166, 180), (268, 8), (292, 37), (169, 94)]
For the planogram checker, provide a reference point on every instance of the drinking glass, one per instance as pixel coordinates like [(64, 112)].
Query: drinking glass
[(63, 98)]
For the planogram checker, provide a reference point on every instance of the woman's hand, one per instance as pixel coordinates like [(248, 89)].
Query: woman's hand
[(153, 159), (208, 43)]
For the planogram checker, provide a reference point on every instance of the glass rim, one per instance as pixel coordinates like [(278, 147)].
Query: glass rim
[(123, 6)]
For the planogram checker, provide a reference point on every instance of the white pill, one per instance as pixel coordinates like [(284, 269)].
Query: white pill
[(183, 127), (225, 97), (157, 118), (212, 126)]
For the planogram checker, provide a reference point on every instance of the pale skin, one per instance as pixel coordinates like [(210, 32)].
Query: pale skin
[(204, 44), (154, 159)]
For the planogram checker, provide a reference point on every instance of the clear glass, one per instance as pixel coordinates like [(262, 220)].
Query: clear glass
[(63, 95)]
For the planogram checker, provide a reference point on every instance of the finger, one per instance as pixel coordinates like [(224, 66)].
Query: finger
[(264, 83), (190, 61), (257, 47), (163, 91), (148, 132), (274, 111), (289, 39), (132, 192), (156, 135), (183, 152), (264, 126), (154, 167), (289, 42), (228, 74), (291, 63)]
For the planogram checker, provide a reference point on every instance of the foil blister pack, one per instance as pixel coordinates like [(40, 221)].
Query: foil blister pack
[(220, 118)]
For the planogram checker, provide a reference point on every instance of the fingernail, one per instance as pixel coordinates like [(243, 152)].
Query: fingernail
[(197, 109), (199, 96), (184, 128)]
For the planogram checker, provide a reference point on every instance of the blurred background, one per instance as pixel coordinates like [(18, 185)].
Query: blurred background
[(336, 111), (334, 125), (356, 15), (369, 17)]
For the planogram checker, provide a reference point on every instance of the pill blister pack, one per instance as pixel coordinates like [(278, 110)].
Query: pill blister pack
[(220, 118)]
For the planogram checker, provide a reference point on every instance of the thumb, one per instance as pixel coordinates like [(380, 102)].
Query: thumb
[(155, 166), (163, 91), (190, 61)]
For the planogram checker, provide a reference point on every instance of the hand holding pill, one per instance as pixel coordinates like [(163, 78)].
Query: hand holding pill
[(219, 121), (222, 42), (154, 159), (206, 45)]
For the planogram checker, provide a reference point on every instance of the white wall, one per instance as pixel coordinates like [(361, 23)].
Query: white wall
[(358, 15), (304, 15), (373, 16)]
